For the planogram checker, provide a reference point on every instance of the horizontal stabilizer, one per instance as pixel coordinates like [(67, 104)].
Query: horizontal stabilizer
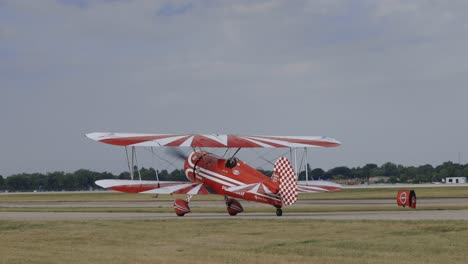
[(317, 186), (250, 188)]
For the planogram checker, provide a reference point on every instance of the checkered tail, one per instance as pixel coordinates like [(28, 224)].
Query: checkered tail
[(287, 180)]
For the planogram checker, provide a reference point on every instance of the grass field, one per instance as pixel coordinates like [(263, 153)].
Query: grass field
[(365, 193), (233, 241)]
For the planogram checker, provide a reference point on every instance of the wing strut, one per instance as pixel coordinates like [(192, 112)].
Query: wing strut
[(291, 150), (136, 162), (235, 153), (128, 163), (132, 163), (157, 174), (306, 166), (295, 163)]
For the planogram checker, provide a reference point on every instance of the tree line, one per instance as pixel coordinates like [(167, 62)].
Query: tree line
[(392, 173), (79, 180), (84, 179)]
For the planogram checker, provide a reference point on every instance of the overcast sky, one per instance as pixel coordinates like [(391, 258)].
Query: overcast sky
[(386, 78)]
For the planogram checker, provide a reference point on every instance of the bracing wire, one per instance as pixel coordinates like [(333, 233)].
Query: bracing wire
[(263, 156), (161, 158)]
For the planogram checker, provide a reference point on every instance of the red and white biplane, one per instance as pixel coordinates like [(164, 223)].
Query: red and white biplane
[(230, 177)]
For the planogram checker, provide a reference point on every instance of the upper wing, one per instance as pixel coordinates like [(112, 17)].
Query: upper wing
[(211, 141), (154, 187), (317, 186)]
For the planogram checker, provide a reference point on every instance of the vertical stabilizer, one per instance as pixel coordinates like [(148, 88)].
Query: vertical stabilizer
[(284, 171)]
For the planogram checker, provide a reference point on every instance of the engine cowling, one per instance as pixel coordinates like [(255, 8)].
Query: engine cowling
[(181, 207), (233, 206)]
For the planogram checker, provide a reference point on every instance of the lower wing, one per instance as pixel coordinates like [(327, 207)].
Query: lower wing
[(153, 187)]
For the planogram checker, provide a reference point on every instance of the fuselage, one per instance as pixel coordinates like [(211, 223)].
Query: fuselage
[(219, 174)]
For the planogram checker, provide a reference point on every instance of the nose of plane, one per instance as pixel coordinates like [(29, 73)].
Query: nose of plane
[(189, 165)]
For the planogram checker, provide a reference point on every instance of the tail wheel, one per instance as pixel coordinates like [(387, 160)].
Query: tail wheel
[(279, 212)]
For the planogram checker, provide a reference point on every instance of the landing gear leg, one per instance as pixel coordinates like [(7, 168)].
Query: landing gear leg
[(279, 211)]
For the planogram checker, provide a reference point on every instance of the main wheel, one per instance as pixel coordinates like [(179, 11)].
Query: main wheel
[(279, 212)]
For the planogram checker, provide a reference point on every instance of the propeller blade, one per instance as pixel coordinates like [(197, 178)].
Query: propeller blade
[(177, 153)]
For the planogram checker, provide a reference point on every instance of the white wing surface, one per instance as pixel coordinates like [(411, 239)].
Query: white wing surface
[(211, 141), (153, 187)]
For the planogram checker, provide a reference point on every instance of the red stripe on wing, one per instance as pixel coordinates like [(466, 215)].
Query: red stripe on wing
[(177, 143), (268, 142), (189, 188), (139, 188), (239, 142), (125, 141), (303, 141), (201, 141)]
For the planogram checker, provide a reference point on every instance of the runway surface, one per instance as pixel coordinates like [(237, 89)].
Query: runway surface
[(408, 214), (220, 203), (377, 215)]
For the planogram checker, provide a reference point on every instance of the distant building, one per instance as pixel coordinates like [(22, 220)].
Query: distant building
[(455, 180)]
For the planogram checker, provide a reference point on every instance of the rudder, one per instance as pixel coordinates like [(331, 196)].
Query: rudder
[(284, 172)]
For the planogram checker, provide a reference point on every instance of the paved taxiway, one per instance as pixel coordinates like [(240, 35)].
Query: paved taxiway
[(364, 215), (377, 215), (220, 203)]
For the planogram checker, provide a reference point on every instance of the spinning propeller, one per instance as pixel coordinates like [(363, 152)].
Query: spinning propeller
[(177, 153)]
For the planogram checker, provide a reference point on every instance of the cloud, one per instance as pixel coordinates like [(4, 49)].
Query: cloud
[(252, 8), (171, 9), (395, 7), (384, 77), (75, 3)]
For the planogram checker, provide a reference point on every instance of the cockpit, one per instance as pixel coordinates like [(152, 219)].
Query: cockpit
[(231, 162)]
